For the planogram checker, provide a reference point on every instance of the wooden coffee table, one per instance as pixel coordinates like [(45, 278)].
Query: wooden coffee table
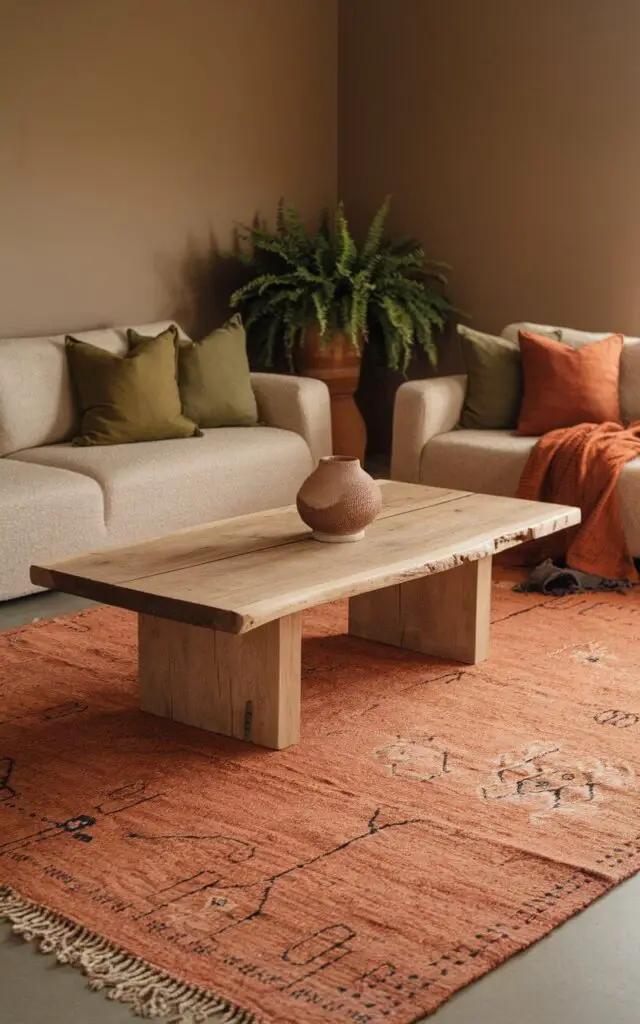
[(220, 605)]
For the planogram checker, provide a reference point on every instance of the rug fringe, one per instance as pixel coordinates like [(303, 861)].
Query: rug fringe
[(149, 991)]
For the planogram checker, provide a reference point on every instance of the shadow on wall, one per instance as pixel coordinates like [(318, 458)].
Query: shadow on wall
[(199, 285)]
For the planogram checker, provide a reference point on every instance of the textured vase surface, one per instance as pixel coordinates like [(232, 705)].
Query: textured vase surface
[(339, 500)]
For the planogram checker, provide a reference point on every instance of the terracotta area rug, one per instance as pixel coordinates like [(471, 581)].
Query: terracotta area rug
[(432, 822)]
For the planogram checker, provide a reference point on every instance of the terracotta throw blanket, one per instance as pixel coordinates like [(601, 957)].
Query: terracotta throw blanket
[(580, 466)]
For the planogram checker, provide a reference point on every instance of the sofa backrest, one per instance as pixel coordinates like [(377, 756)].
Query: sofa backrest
[(629, 361), (36, 400)]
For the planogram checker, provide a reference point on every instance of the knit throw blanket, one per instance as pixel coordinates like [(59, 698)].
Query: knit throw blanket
[(580, 466)]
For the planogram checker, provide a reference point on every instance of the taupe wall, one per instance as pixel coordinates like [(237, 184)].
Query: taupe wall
[(132, 129), (509, 133)]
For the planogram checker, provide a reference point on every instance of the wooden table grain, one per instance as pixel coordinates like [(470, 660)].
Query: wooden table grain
[(219, 605)]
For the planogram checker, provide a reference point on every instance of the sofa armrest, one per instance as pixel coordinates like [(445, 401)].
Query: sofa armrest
[(300, 404), (423, 409)]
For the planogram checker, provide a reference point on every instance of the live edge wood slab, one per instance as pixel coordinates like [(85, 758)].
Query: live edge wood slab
[(219, 605)]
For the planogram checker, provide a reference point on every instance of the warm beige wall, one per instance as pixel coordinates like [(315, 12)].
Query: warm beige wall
[(130, 129), (509, 133)]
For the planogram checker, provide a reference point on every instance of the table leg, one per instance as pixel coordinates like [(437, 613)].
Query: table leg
[(247, 686), (446, 614)]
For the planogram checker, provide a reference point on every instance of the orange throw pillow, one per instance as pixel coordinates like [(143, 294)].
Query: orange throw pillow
[(564, 386)]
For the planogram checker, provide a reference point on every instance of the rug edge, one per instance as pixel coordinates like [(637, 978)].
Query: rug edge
[(147, 990)]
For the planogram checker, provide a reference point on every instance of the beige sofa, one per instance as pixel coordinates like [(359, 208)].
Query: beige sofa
[(57, 500), (430, 448)]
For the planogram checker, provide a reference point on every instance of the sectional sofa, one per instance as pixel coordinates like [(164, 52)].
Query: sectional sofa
[(430, 448), (57, 500)]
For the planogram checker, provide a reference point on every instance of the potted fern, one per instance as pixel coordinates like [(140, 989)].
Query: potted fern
[(316, 297)]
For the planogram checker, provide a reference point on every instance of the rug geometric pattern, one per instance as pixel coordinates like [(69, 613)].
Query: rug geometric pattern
[(433, 821)]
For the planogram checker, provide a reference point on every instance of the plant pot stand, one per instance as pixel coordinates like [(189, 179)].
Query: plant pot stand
[(337, 363)]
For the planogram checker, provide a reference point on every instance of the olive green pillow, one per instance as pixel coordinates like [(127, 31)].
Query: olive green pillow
[(130, 398), (214, 379), (494, 381)]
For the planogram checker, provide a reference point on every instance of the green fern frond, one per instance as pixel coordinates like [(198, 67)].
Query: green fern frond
[(322, 312), (401, 321), (373, 240), (385, 292), (273, 302), (254, 314), (437, 265), (399, 261), (278, 248), (296, 230), (345, 246)]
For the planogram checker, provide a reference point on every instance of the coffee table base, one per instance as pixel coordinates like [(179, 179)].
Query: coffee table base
[(246, 686), (446, 615)]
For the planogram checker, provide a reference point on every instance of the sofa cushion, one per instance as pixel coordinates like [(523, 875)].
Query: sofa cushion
[(134, 397), (491, 462), (36, 401), (565, 386), (494, 381), (629, 360), (629, 369), (158, 486), (45, 514), (486, 461), (215, 383)]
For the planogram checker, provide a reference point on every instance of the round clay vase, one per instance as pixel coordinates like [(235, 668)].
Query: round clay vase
[(339, 500), (337, 363)]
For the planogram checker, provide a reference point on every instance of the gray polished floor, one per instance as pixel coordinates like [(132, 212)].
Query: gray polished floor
[(586, 972)]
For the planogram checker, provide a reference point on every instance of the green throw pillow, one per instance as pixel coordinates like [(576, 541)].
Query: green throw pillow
[(130, 398), (215, 385), (494, 381)]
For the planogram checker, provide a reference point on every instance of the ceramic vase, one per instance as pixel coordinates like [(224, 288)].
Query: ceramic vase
[(337, 363), (339, 500)]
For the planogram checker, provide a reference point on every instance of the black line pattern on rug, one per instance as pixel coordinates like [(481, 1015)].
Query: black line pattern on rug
[(387, 983), (532, 776), (122, 798), (624, 851), (384, 986), (617, 718), (191, 886)]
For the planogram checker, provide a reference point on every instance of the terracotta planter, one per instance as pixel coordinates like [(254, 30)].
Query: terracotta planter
[(339, 500), (337, 363)]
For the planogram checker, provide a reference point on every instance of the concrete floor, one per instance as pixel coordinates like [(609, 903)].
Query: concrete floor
[(586, 972)]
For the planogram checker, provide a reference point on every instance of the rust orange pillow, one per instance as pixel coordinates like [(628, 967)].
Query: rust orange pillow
[(564, 386)]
